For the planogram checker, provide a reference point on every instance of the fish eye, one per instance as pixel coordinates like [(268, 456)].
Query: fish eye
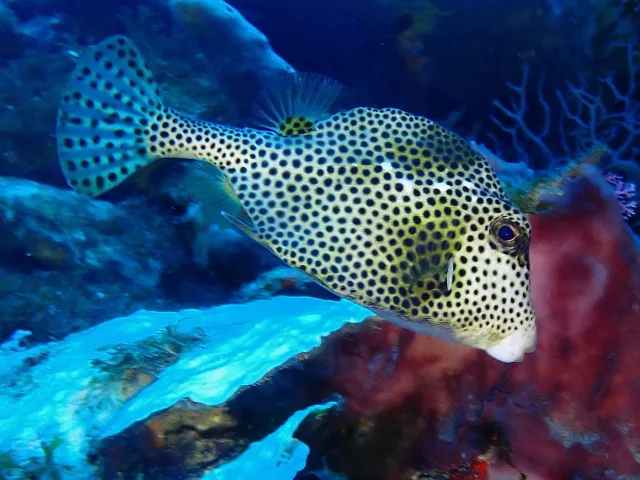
[(507, 234)]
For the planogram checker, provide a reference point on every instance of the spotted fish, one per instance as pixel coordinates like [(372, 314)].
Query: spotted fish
[(383, 208)]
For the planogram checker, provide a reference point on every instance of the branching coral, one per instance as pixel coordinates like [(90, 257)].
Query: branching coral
[(607, 114), (516, 113), (625, 192)]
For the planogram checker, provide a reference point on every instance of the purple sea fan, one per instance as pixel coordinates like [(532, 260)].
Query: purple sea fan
[(626, 193)]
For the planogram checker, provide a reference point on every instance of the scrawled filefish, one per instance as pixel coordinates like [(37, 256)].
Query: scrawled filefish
[(384, 208)]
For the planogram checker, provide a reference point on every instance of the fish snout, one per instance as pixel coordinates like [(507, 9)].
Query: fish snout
[(513, 347)]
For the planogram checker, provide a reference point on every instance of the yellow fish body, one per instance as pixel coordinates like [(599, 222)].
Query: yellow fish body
[(384, 208)]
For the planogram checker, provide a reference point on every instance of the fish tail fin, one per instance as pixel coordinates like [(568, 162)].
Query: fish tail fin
[(103, 128), (294, 102)]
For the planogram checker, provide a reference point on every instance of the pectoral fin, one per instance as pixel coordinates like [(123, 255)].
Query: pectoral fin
[(432, 277), (246, 226)]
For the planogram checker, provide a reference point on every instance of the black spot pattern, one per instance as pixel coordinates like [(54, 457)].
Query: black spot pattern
[(101, 119), (295, 125), (377, 204), (111, 123), (384, 208)]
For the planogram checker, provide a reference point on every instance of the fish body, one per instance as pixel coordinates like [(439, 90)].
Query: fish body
[(384, 208)]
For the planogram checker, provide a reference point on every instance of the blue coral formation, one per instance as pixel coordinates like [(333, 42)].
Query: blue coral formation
[(142, 335)]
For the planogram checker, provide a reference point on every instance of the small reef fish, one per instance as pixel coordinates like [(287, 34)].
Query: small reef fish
[(383, 208)]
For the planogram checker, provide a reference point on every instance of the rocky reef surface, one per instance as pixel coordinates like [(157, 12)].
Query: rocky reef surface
[(68, 262), (446, 59), (60, 399)]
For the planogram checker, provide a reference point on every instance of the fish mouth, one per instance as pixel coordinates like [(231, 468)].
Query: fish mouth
[(512, 348)]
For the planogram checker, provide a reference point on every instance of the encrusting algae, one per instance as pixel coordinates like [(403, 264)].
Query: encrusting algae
[(131, 367), (383, 208), (541, 194)]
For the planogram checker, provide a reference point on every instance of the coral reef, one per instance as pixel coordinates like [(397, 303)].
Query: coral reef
[(30, 88), (190, 438), (625, 192), (175, 395), (37, 467), (242, 54), (67, 262), (546, 188), (211, 56), (189, 390), (275, 280)]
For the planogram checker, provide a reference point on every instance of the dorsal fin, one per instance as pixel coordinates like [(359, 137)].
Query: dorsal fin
[(294, 102)]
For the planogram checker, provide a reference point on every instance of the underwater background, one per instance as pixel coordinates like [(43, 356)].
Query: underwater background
[(144, 336)]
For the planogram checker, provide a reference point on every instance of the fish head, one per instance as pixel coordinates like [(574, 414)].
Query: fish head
[(491, 281), (464, 274), (452, 257)]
